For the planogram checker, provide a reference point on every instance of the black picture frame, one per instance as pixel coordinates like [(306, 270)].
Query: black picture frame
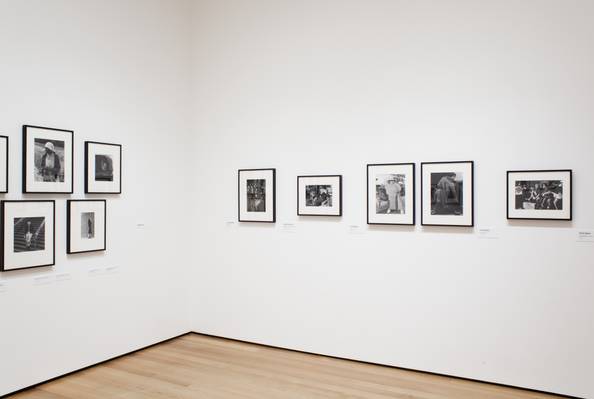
[(69, 231), (2, 238), (414, 193), (244, 220), (508, 208), (339, 177), (25, 166), (472, 202), (7, 163), (88, 177)]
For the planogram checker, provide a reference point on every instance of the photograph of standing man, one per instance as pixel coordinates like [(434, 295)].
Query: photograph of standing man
[(394, 192), (50, 163)]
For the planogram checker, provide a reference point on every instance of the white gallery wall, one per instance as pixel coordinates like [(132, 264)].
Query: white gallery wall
[(112, 71), (325, 87), (195, 90)]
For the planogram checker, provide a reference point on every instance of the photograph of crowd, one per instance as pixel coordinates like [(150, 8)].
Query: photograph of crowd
[(447, 193), (390, 194), (256, 195), (318, 195), (539, 194)]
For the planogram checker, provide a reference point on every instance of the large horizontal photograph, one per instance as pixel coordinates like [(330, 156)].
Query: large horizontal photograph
[(539, 195), (319, 195)]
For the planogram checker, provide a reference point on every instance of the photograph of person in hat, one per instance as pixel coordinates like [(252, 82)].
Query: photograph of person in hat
[(49, 157), (389, 193)]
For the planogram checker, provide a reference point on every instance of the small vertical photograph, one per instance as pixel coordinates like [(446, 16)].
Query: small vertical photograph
[(29, 234), (256, 195), (391, 194), (27, 239), (87, 225), (47, 160), (539, 194), (103, 167), (319, 195), (3, 164), (447, 193)]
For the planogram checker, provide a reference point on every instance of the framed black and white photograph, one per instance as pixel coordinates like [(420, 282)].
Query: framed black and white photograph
[(257, 195), (28, 234), (447, 193), (319, 195), (391, 193), (48, 160), (103, 168), (86, 225), (539, 194), (3, 164)]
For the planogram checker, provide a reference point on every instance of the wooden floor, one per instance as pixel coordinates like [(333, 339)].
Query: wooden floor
[(196, 366)]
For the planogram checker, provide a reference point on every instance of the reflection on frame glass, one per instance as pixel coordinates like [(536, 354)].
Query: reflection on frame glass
[(103, 168)]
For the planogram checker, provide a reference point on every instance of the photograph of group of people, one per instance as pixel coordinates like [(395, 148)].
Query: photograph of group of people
[(256, 195), (390, 193), (539, 195), (318, 195)]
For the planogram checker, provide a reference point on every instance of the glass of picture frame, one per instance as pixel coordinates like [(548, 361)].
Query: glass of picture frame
[(539, 194), (86, 225), (447, 193), (319, 195), (48, 160), (391, 194), (256, 200), (103, 168), (28, 234)]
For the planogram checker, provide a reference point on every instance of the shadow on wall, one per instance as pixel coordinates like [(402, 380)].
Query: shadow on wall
[(320, 218), (448, 230), (392, 228), (563, 224)]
